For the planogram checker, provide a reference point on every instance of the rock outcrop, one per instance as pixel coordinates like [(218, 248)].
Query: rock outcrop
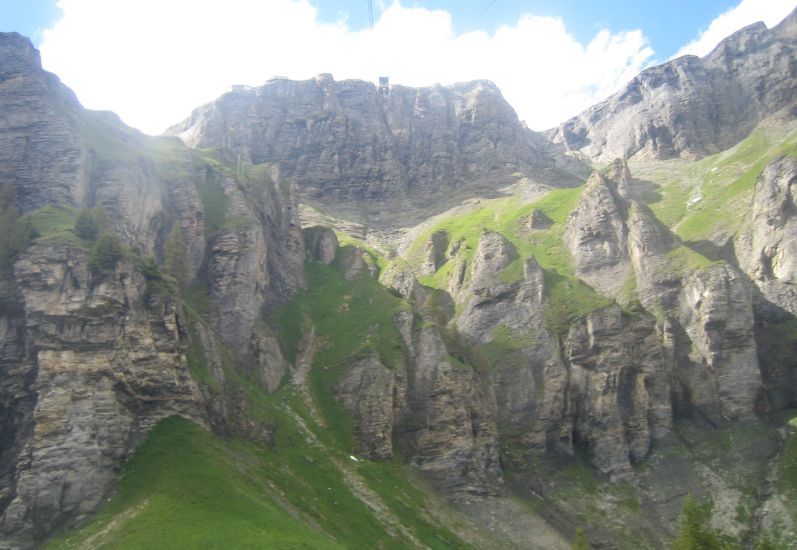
[(597, 237), (96, 344), (368, 156), (321, 244), (691, 107), (620, 387), (448, 427), (766, 248), (41, 150), (98, 363), (707, 308), (367, 394)]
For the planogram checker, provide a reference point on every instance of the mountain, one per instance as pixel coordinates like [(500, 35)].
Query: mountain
[(500, 349), (355, 152), (94, 341), (691, 107)]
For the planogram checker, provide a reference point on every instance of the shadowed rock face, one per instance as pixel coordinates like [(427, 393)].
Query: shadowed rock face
[(358, 153), (92, 359), (95, 366), (691, 106), (766, 249), (612, 236)]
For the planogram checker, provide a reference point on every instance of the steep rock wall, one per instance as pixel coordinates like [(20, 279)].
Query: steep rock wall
[(691, 107), (366, 156), (95, 344)]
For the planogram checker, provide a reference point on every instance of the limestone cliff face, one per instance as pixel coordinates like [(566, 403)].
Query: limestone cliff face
[(367, 156), (620, 388), (598, 237), (90, 368), (93, 355), (766, 248), (367, 392), (448, 427), (40, 144), (603, 387), (705, 312), (691, 106)]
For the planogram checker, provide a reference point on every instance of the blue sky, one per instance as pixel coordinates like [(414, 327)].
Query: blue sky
[(668, 25), (152, 61)]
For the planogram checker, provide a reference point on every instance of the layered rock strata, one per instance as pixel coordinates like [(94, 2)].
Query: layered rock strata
[(690, 107), (95, 342), (358, 153)]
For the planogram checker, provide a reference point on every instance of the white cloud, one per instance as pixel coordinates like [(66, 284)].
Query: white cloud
[(152, 61), (771, 12)]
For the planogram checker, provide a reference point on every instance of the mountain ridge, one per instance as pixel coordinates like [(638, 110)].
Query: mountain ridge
[(545, 356), (347, 146), (692, 106)]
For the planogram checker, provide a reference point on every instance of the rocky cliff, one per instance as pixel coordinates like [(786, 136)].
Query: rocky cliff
[(96, 343), (550, 356), (364, 155), (690, 106)]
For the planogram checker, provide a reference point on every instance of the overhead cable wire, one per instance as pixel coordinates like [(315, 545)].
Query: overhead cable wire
[(484, 9), (371, 12)]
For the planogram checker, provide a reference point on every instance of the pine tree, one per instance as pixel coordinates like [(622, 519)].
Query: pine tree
[(105, 254), (696, 532)]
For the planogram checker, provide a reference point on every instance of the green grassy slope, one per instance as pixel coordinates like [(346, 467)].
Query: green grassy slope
[(567, 297), (187, 488), (704, 199)]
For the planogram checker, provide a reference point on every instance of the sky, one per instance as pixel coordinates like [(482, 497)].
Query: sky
[(153, 61)]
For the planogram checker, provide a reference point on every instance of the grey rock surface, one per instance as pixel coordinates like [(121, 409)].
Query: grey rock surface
[(621, 388), (767, 247), (321, 244), (597, 237), (93, 358), (40, 145), (367, 394), (690, 106), (448, 426), (366, 156), (102, 364)]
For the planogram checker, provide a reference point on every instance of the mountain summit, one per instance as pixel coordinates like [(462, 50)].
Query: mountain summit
[(364, 154), (692, 107)]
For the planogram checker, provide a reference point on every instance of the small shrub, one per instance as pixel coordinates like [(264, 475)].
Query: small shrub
[(105, 254), (696, 532), (581, 542), (86, 226), (15, 232)]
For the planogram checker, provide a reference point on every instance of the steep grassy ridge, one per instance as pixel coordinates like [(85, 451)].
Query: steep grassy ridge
[(187, 488), (704, 199), (567, 297)]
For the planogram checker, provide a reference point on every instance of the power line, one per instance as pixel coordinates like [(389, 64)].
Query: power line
[(371, 12), (484, 9)]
